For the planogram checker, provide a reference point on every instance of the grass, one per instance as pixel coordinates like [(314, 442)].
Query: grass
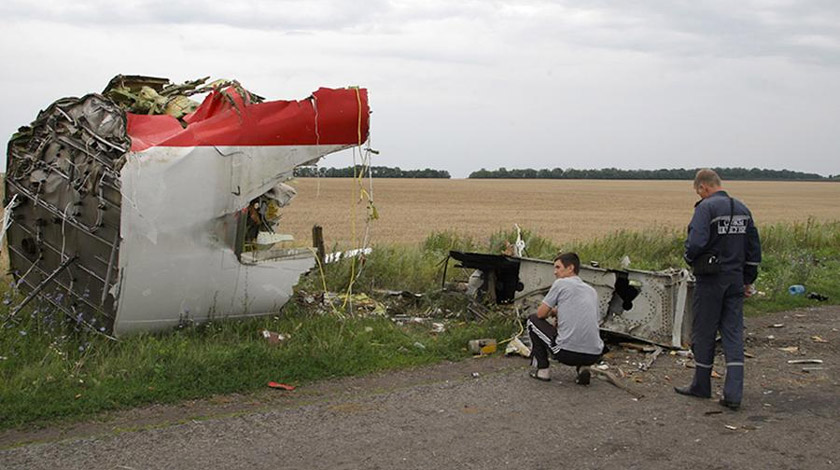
[(52, 369)]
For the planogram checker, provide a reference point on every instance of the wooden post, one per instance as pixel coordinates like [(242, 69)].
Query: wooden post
[(318, 242)]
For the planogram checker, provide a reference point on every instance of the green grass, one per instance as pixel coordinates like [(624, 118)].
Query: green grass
[(51, 369)]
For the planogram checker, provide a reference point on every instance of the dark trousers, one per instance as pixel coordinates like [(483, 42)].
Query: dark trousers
[(718, 306), (543, 340)]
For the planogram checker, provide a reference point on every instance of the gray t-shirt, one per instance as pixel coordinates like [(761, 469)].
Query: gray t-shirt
[(577, 315)]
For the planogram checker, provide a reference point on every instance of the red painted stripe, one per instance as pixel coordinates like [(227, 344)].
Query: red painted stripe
[(342, 119)]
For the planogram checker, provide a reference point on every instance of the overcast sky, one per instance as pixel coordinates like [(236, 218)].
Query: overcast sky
[(465, 85)]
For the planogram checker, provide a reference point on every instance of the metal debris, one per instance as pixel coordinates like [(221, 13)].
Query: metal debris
[(650, 306), (649, 361), (805, 361), (138, 210)]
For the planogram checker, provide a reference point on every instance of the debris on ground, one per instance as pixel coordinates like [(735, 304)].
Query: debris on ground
[(482, 346), (805, 361), (816, 296), (281, 386), (643, 348), (796, 289), (102, 190), (609, 377), (516, 346), (272, 337), (649, 362), (818, 339)]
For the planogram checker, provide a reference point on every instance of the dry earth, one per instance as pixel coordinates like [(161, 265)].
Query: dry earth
[(444, 416), (561, 210)]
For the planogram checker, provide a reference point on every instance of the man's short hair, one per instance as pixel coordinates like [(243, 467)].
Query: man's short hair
[(569, 259), (708, 177)]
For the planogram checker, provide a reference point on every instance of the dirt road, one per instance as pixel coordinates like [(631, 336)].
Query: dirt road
[(486, 413)]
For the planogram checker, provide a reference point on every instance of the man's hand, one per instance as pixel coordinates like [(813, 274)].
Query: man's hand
[(544, 311), (749, 290)]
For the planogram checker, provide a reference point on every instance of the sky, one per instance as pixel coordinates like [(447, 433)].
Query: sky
[(460, 86)]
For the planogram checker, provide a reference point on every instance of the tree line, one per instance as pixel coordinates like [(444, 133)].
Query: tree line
[(377, 171), (661, 174)]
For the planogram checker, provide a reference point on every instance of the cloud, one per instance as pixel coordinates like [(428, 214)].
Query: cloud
[(461, 85)]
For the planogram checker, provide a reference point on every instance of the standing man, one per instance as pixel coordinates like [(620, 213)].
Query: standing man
[(722, 237), (576, 341)]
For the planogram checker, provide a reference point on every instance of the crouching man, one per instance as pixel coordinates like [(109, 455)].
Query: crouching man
[(576, 340)]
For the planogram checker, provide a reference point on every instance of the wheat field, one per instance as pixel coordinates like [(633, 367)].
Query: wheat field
[(561, 210)]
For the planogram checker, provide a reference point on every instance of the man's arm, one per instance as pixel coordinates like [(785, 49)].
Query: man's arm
[(546, 308), (752, 252), (698, 232), (544, 311)]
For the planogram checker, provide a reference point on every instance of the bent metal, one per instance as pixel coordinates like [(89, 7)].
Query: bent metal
[(138, 208)]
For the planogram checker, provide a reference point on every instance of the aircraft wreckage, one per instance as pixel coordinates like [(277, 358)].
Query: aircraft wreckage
[(653, 306), (139, 208)]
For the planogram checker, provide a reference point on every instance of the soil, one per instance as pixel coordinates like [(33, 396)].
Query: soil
[(487, 413)]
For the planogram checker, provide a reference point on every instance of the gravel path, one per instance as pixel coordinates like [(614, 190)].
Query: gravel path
[(444, 417)]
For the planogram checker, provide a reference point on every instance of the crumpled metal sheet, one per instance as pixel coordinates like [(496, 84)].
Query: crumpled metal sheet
[(140, 218)]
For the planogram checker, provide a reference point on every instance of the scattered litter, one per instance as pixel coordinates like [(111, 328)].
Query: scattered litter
[(649, 362), (748, 355), (601, 367), (605, 375), (516, 346), (790, 349), (796, 289), (438, 328), (776, 325), (338, 255), (805, 361), (476, 375), (361, 302), (715, 375), (731, 427), (419, 345), (799, 315), (638, 347), (817, 297), (713, 412), (399, 293), (685, 353), (767, 405), (274, 338), (811, 369), (281, 386), (368, 329), (818, 339), (482, 346), (771, 337)]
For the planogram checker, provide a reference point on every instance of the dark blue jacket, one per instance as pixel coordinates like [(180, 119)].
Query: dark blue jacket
[(737, 246)]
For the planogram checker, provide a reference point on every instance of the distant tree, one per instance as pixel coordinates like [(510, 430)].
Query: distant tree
[(660, 174)]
